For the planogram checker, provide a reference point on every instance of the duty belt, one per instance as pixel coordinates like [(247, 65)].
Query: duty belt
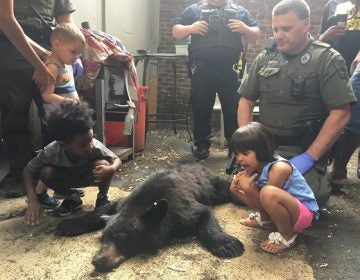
[(287, 140)]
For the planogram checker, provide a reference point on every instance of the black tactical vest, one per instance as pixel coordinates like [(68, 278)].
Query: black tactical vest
[(28, 19), (219, 33)]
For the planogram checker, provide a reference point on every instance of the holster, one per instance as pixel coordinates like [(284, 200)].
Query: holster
[(307, 132)]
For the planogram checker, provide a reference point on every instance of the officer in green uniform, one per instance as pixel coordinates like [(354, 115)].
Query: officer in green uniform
[(17, 86), (303, 93)]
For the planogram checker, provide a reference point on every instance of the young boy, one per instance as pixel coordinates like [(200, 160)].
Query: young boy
[(67, 43), (74, 159)]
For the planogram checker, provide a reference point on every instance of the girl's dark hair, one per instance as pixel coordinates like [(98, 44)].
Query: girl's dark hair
[(254, 136), (68, 119)]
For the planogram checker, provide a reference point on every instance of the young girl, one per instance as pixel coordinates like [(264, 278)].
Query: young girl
[(273, 186)]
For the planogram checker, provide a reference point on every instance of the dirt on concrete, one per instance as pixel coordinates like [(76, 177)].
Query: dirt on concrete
[(328, 250)]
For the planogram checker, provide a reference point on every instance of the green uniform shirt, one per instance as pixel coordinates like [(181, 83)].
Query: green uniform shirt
[(321, 72), (10, 58)]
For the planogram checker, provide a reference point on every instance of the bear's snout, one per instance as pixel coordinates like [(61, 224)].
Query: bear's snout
[(107, 258)]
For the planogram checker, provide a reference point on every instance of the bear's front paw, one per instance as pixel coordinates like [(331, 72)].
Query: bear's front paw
[(226, 246), (70, 227)]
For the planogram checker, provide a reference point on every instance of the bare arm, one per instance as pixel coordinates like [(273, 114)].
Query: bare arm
[(116, 164), (34, 209), (333, 33), (355, 63), (279, 173), (245, 111), (251, 33), (180, 31), (330, 131), (101, 172), (14, 32), (41, 52)]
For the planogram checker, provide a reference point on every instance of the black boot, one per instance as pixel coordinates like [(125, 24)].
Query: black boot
[(11, 187)]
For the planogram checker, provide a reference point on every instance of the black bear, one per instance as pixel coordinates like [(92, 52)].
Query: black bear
[(173, 203)]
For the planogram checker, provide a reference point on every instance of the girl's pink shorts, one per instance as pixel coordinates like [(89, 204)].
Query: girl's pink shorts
[(305, 218)]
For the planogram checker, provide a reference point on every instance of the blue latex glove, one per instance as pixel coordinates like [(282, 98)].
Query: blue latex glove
[(78, 69), (303, 162)]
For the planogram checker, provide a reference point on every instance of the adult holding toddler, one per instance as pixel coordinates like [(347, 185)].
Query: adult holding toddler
[(17, 86), (27, 47)]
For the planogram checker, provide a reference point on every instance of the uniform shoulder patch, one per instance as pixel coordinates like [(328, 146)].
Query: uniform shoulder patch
[(339, 63), (321, 44)]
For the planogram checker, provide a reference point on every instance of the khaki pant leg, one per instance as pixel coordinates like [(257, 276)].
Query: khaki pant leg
[(316, 177)]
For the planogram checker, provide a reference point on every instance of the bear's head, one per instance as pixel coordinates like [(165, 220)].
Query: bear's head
[(129, 232)]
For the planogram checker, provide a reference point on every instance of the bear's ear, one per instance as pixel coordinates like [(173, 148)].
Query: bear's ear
[(156, 212)]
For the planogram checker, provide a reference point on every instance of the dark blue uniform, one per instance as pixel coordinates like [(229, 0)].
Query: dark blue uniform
[(213, 56)]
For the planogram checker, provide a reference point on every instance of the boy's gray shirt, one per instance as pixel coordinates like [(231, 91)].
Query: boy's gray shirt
[(54, 155)]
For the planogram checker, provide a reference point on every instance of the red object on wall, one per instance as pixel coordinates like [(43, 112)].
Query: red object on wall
[(114, 124)]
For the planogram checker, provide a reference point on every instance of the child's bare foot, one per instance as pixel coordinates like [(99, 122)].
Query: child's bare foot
[(277, 243), (254, 220)]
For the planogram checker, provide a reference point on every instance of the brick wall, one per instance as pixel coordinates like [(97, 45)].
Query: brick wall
[(171, 9)]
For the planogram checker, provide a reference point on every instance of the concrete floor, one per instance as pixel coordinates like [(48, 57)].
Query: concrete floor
[(332, 243)]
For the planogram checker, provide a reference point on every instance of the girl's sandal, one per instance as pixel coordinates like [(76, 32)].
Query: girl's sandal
[(277, 243), (254, 220)]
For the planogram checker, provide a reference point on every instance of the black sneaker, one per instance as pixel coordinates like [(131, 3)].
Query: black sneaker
[(47, 201), (200, 152), (67, 207), (101, 201), (79, 192)]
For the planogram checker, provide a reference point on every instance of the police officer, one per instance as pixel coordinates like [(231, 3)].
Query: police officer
[(304, 97), (340, 27), (18, 88), (217, 28)]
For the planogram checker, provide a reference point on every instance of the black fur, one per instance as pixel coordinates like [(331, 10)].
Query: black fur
[(173, 203)]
